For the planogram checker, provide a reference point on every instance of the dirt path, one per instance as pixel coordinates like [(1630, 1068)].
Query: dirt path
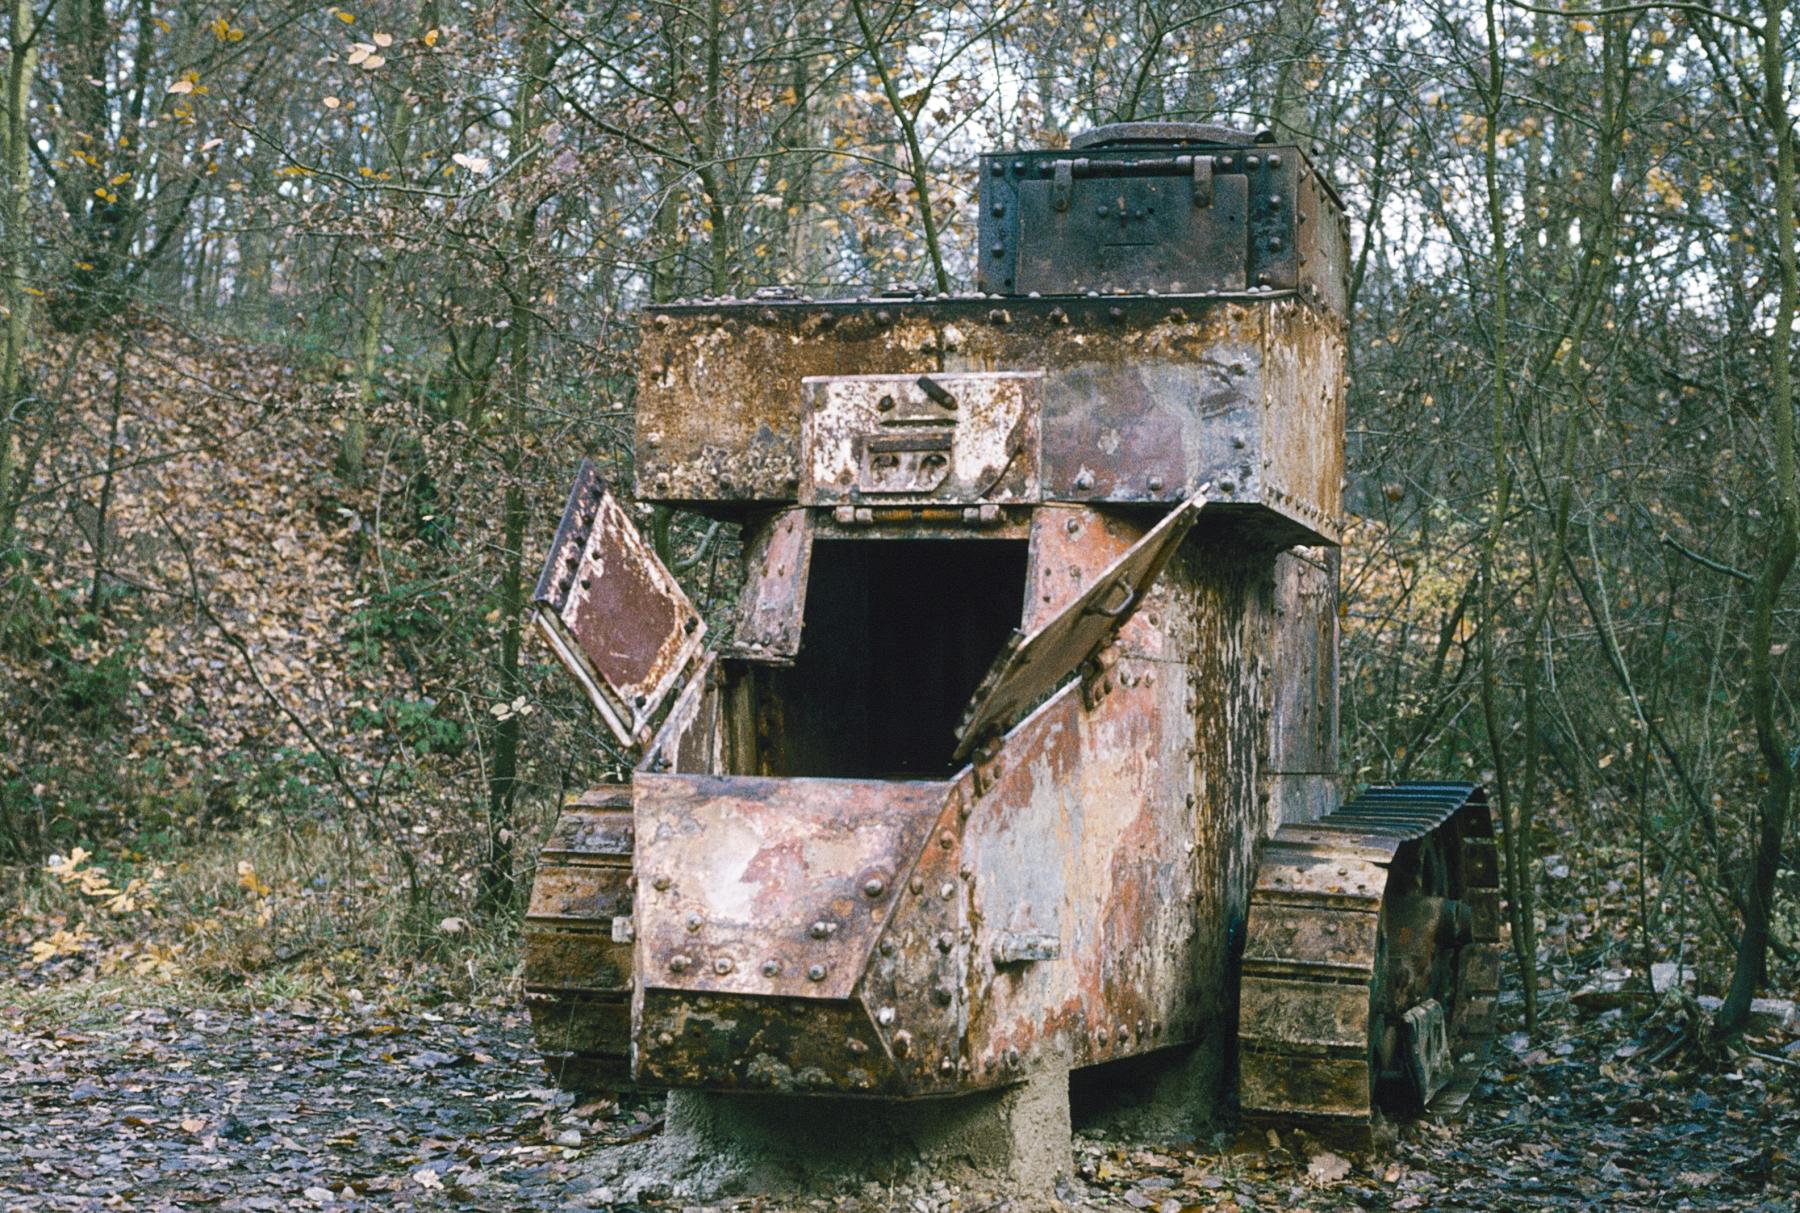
[(312, 1109)]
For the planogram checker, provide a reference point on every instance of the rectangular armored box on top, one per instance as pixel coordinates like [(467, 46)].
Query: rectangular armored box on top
[(1123, 400), (1161, 208)]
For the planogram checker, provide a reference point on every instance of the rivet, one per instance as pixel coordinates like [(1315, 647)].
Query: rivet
[(999, 250), (660, 883), (722, 965), (1012, 1056), (966, 872), (884, 317), (1274, 244), (695, 922), (1084, 481), (916, 884), (857, 1048), (997, 209), (946, 840), (821, 930), (1274, 160), (771, 968), (947, 1066), (874, 886), (999, 315), (1226, 486), (1252, 161), (1275, 200), (884, 1016), (1058, 315), (947, 892), (902, 1043), (1100, 1036), (945, 942), (1117, 313), (887, 947), (665, 1039), (678, 963), (1156, 484), (816, 973)]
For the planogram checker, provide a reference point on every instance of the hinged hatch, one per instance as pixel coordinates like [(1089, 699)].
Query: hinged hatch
[(1034, 663), (614, 615), (777, 564)]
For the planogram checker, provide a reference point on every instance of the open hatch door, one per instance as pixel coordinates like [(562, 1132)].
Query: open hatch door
[(614, 615), (1034, 663)]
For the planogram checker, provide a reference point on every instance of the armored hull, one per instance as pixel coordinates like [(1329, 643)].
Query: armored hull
[(1036, 651)]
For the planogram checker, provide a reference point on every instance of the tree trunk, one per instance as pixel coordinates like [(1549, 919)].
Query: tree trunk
[(1748, 966)]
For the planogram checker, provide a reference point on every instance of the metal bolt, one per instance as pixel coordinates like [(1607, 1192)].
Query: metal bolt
[(722, 965), (679, 963), (816, 973), (874, 886), (771, 968)]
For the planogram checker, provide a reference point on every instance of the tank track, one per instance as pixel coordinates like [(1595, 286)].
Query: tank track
[(1371, 961), (578, 952)]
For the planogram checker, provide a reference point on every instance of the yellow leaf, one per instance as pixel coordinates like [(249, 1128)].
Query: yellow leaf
[(182, 86), (431, 37), (120, 179), (346, 18)]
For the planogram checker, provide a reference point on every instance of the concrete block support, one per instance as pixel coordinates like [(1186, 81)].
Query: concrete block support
[(1017, 1140)]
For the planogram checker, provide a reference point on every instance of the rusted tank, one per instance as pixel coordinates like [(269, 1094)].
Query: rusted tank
[(1019, 749)]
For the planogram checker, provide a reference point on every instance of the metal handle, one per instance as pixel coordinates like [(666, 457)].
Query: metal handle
[(1098, 606)]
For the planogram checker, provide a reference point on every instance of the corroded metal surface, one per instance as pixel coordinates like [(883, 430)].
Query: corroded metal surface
[(578, 969), (613, 614), (1370, 931), (1143, 399), (1160, 207), (1035, 662), (777, 562), (961, 439), (829, 882)]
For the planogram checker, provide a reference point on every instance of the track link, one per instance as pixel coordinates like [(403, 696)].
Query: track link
[(1354, 920), (578, 966)]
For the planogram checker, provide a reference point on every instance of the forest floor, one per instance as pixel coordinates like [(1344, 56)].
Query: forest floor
[(347, 1105)]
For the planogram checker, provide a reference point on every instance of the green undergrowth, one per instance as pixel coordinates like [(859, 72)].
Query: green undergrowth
[(272, 912)]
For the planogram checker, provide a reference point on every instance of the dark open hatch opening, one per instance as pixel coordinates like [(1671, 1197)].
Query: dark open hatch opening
[(898, 633)]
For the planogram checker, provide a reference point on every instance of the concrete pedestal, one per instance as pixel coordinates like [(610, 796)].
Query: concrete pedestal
[(1017, 1141)]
